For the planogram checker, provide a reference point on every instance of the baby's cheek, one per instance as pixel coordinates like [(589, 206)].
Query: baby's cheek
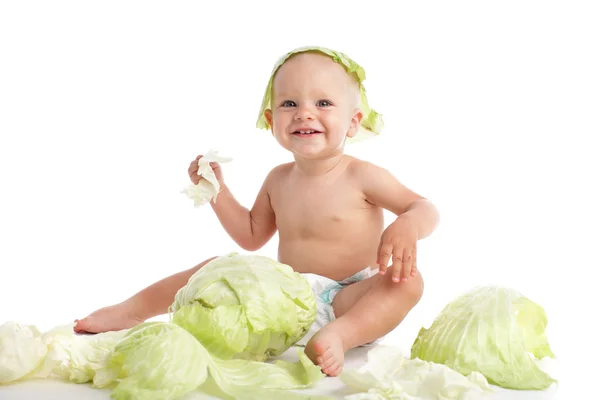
[(279, 125)]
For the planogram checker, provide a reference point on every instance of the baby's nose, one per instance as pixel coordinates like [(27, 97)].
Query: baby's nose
[(304, 113)]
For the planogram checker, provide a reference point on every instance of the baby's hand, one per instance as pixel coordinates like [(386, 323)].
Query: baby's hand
[(193, 171), (399, 241)]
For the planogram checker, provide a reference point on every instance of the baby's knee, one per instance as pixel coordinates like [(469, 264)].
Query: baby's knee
[(412, 289)]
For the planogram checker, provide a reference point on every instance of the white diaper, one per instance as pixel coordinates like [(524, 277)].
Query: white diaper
[(325, 290)]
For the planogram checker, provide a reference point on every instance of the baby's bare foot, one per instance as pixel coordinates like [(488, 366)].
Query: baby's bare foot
[(326, 350), (112, 318)]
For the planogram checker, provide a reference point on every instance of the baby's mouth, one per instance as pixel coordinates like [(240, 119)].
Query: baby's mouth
[(307, 132)]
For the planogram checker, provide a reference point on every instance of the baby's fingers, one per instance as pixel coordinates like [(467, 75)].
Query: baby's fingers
[(407, 261), (383, 257), (396, 265), (194, 165), (413, 270), (193, 170), (193, 173)]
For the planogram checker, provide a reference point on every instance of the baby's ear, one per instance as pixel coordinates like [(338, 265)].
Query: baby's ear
[(355, 123), (269, 117)]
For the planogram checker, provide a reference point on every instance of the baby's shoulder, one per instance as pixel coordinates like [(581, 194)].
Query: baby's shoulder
[(278, 173), (281, 169), (363, 169)]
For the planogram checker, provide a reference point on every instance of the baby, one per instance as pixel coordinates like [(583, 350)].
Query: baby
[(328, 208)]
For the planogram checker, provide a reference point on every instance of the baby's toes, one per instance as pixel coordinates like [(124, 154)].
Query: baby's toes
[(329, 363), (325, 356), (82, 325), (337, 371), (331, 368)]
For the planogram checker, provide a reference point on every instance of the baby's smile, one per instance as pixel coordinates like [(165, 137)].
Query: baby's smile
[(307, 132)]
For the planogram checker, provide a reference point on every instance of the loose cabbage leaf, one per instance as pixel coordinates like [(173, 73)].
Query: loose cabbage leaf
[(21, 351), (388, 375), (161, 360), (26, 353), (156, 360), (76, 357)]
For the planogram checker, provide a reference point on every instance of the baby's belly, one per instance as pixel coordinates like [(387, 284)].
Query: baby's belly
[(335, 260)]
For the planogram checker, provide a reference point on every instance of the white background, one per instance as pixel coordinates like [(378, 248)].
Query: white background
[(491, 111)]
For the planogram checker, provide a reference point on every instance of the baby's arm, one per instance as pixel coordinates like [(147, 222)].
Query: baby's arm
[(417, 218), (250, 229), (381, 188)]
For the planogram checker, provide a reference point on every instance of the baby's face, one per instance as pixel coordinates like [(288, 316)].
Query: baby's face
[(315, 106)]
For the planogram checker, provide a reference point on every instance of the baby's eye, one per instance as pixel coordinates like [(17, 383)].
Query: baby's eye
[(323, 103), (288, 103)]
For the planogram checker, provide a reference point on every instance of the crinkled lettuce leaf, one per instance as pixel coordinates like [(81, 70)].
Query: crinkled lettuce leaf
[(208, 187), (388, 375), (152, 361), (76, 357), (161, 360), (26, 353), (21, 351), (155, 360)]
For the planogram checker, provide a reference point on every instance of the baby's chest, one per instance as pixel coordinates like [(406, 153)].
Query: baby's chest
[(316, 210)]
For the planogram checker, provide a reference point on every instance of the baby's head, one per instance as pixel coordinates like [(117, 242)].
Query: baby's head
[(318, 91)]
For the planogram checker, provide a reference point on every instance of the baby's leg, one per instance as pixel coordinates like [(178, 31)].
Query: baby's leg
[(149, 302), (365, 311)]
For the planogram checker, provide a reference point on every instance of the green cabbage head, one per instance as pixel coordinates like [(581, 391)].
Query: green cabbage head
[(245, 306), (492, 330)]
